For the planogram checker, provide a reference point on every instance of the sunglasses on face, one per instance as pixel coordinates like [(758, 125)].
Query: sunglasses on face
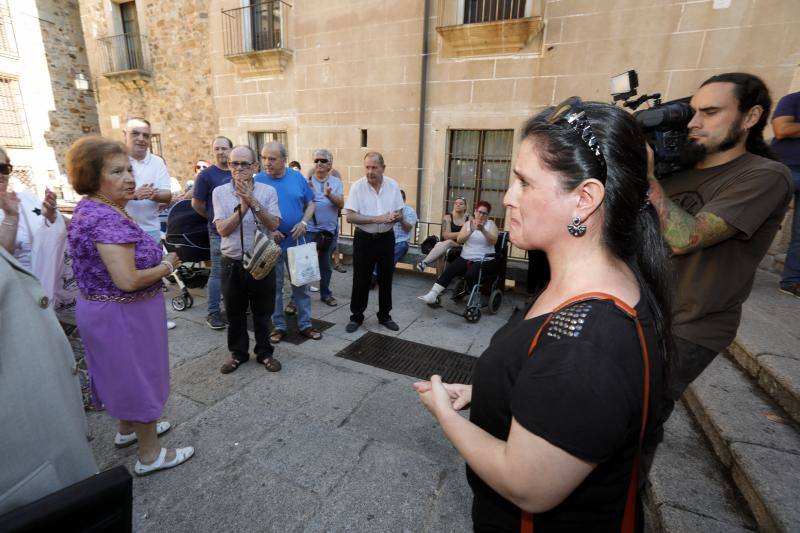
[(321, 161), (6, 168), (571, 111), (200, 167), (483, 213)]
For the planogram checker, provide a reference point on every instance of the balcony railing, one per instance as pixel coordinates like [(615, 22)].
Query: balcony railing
[(491, 10), (253, 28), (124, 53)]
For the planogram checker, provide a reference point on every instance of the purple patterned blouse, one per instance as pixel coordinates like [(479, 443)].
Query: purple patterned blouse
[(95, 222)]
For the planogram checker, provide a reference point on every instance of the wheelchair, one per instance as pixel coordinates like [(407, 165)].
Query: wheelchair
[(488, 291)]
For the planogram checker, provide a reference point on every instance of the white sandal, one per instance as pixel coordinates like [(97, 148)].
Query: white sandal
[(123, 441), (181, 455)]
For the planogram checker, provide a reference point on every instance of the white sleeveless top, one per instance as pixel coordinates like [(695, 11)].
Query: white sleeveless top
[(477, 246)]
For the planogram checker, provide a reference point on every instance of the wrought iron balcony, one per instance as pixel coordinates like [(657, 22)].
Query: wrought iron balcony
[(254, 38), (125, 56)]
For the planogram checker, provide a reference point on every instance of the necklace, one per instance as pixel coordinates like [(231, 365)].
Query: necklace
[(104, 200)]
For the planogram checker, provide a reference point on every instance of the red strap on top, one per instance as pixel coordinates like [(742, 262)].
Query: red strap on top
[(629, 516)]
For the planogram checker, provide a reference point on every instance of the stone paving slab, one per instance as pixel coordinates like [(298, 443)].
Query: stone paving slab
[(688, 485)]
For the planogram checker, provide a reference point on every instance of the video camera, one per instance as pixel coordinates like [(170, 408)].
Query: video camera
[(664, 124)]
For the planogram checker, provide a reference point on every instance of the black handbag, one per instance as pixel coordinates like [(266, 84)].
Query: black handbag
[(100, 503), (428, 244)]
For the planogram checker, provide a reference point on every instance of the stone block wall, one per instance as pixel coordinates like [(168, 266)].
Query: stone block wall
[(177, 97)]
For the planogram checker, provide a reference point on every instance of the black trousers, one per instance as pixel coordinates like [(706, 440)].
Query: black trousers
[(687, 363), (241, 290), (370, 250), (469, 269)]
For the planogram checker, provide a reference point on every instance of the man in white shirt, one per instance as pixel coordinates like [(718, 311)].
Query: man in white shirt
[(374, 205), (152, 178)]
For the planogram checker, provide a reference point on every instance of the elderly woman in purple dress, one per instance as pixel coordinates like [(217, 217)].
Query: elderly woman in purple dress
[(120, 311)]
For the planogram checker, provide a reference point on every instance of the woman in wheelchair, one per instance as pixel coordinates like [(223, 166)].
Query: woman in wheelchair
[(478, 236)]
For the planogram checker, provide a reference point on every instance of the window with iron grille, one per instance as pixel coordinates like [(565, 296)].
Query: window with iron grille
[(491, 10), (478, 168), (155, 144), (8, 44), (13, 124), (257, 140)]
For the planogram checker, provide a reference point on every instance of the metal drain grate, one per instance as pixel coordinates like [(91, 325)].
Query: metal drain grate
[(410, 358)]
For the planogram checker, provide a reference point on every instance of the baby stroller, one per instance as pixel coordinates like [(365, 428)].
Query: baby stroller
[(187, 236), (491, 284)]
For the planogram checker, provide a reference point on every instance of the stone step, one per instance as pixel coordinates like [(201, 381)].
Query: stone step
[(689, 489), (767, 344), (754, 439)]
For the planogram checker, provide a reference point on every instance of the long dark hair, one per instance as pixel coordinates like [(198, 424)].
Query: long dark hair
[(631, 229), (750, 91)]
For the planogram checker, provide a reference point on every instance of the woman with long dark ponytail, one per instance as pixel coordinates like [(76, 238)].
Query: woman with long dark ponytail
[(563, 399)]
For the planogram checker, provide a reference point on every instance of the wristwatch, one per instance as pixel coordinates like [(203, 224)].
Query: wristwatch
[(256, 209)]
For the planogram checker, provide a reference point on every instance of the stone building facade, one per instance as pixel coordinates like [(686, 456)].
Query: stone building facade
[(41, 55), (354, 76), (152, 60)]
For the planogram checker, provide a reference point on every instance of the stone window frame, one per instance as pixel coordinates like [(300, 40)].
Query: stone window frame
[(455, 186), (14, 132), (155, 144)]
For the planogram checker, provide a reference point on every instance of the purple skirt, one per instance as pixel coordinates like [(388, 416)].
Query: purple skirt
[(127, 356)]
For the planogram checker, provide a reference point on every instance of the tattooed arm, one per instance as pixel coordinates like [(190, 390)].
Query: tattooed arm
[(683, 232)]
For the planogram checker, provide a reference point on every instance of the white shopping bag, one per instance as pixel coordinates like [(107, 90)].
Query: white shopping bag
[(303, 264)]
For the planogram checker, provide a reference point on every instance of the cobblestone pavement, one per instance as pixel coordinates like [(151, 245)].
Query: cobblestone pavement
[(324, 445)]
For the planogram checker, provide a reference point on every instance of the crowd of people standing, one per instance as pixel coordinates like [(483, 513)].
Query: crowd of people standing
[(567, 402)]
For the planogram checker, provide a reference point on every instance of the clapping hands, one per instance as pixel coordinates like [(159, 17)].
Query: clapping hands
[(145, 192)]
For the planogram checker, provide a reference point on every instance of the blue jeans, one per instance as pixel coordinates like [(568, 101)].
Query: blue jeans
[(791, 268), (325, 268), (215, 278), (400, 249), (301, 299)]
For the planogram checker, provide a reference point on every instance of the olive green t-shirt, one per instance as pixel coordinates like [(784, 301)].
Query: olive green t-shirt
[(751, 193)]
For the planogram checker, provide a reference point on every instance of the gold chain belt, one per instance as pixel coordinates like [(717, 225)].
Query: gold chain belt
[(122, 299)]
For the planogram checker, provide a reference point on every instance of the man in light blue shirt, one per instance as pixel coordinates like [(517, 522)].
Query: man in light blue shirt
[(295, 200), (403, 231), (329, 198)]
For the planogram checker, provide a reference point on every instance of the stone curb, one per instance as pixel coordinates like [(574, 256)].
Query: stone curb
[(752, 438)]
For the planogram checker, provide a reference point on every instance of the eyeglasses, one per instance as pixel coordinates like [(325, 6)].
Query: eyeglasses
[(6, 168), (321, 161), (571, 111), (240, 164)]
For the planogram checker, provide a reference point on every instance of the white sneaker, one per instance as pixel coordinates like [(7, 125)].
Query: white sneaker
[(171, 324), (313, 288)]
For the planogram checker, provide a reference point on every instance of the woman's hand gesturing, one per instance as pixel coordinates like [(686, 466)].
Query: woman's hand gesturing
[(440, 397)]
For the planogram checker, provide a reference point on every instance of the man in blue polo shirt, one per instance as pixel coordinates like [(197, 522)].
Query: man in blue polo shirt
[(295, 200), (204, 185)]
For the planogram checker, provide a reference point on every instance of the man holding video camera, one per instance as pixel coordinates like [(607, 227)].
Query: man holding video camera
[(719, 217)]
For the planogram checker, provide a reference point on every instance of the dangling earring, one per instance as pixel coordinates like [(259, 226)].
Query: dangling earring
[(576, 229)]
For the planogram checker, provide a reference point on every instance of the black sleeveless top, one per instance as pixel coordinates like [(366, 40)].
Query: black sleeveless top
[(453, 227)]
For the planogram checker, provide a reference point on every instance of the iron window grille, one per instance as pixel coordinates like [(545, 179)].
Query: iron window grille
[(492, 10), (478, 168), (257, 140), (13, 123), (8, 43)]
